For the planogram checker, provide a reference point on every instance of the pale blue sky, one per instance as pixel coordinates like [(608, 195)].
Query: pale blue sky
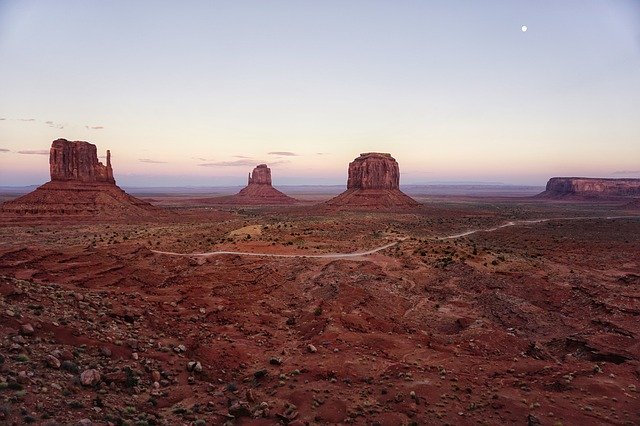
[(197, 93)]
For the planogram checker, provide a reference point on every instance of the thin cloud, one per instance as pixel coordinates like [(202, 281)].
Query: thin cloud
[(241, 156), (2, 118), (35, 152), (52, 124), (199, 158), (4, 150), (626, 172), (234, 163), (94, 127), (26, 119), (283, 153), (148, 160)]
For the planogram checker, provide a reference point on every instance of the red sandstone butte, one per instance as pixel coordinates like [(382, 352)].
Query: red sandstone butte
[(78, 161), (258, 190), (80, 186), (373, 182), (580, 187)]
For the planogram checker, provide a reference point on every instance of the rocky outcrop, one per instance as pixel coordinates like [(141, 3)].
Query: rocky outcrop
[(373, 183), (80, 186), (78, 161), (261, 175), (257, 192), (374, 170), (559, 187)]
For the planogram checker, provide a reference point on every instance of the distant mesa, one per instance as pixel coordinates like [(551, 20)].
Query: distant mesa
[(373, 182), (80, 186), (591, 188), (258, 191)]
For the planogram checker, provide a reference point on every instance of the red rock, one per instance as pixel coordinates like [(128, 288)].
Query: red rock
[(79, 186), (78, 161), (591, 187), (261, 175), (373, 183), (374, 170), (258, 191), (90, 377), (27, 329)]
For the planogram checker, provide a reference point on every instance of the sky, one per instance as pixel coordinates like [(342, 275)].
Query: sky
[(197, 93)]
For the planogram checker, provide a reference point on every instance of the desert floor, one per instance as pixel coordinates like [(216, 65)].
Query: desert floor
[(537, 322)]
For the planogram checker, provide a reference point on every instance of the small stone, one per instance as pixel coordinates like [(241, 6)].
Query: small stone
[(90, 377), (52, 361), (105, 351), (135, 356), (70, 366), (85, 422), (194, 366), (311, 348), (239, 409), (155, 375), (27, 329), (260, 374), (180, 348), (23, 378), (275, 361)]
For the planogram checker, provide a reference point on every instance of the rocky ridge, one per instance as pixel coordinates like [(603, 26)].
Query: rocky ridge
[(591, 187)]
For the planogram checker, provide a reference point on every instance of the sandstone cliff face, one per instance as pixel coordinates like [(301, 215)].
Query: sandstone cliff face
[(374, 170), (373, 183), (80, 186), (597, 187), (261, 175), (78, 161)]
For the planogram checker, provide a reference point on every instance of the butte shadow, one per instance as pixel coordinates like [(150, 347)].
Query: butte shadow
[(80, 187), (373, 184)]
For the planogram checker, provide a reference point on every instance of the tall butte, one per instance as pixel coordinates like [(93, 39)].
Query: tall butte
[(80, 185), (258, 190), (373, 183)]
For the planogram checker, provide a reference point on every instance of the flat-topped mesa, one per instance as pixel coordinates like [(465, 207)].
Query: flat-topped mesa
[(78, 161), (373, 184), (373, 170), (592, 187), (261, 175)]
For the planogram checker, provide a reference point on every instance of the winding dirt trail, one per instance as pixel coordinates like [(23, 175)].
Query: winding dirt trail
[(391, 244)]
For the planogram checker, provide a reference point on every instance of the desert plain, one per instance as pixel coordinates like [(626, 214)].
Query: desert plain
[(476, 310)]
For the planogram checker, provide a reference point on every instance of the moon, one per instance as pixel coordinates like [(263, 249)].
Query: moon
[(524, 28)]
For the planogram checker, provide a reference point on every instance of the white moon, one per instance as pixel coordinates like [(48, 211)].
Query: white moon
[(524, 28)]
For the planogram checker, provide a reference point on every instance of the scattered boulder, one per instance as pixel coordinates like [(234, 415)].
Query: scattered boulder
[(90, 377)]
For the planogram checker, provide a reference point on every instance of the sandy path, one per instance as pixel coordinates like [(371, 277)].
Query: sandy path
[(391, 244)]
